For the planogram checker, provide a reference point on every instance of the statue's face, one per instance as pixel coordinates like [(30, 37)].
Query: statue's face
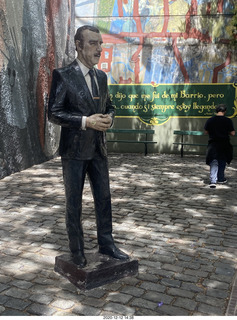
[(89, 51)]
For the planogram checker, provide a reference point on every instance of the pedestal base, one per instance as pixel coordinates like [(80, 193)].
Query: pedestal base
[(100, 269)]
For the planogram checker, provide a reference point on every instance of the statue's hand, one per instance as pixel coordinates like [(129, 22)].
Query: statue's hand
[(98, 121)]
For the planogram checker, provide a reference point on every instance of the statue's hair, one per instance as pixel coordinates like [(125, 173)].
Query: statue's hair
[(79, 33)]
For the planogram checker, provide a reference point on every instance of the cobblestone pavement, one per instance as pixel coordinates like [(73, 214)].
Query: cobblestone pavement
[(183, 233)]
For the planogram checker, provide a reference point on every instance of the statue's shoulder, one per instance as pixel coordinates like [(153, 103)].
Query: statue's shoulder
[(68, 68)]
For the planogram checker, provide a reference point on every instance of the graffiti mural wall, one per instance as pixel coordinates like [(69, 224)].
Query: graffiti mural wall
[(174, 50), (35, 38), (163, 41)]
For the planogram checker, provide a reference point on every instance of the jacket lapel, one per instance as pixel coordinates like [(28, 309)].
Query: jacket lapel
[(81, 85)]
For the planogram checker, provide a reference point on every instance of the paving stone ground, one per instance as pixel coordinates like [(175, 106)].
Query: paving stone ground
[(183, 233)]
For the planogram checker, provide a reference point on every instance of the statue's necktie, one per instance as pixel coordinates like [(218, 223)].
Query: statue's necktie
[(94, 88)]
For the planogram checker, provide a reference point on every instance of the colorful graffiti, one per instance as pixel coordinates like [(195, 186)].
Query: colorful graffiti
[(48, 62), (163, 41), (35, 37)]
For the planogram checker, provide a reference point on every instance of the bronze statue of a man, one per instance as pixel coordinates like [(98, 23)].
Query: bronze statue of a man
[(79, 102)]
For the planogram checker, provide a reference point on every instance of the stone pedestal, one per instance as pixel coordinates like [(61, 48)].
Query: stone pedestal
[(100, 269)]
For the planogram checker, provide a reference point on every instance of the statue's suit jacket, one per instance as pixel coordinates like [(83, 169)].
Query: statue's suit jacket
[(69, 100)]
